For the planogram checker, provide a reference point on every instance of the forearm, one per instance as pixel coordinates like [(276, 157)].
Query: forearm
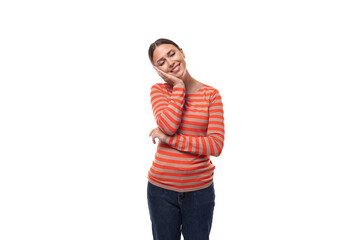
[(168, 113), (199, 145)]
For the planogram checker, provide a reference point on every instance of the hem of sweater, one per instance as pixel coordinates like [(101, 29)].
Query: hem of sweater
[(180, 189)]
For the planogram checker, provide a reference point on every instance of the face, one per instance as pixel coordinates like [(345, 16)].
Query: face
[(169, 59)]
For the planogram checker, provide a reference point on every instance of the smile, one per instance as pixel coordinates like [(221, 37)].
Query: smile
[(176, 69)]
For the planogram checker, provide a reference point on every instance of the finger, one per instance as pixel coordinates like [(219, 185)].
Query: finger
[(160, 72), (169, 77), (163, 76), (164, 73), (152, 131)]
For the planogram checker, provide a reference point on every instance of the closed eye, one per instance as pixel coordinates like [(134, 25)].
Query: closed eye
[(162, 63)]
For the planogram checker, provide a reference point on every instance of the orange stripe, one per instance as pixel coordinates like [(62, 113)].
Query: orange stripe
[(161, 125), (177, 141), (190, 143), (174, 112), (181, 102), (178, 89), (172, 103), (198, 111), (215, 110), (196, 105), (181, 174), (194, 116), (171, 129), (194, 123), (155, 89), (171, 119), (218, 146), (192, 129), (197, 99), (159, 108), (211, 142), (216, 104), (171, 141), (157, 100), (182, 155), (184, 181), (216, 116), (182, 148), (179, 168), (216, 129), (177, 94), (189, 163), (204, 146), (197, 145), (216, 122)]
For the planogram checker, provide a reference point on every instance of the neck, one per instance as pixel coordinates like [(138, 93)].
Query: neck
[(190, 83)]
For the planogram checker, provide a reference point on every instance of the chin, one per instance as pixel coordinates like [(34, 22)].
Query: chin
[(184, 73)]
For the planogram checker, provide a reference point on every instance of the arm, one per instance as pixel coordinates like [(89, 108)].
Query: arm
[(213, 143), (168, 113)]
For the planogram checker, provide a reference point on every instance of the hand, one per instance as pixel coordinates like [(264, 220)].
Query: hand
[(170, 79), (157, 133)]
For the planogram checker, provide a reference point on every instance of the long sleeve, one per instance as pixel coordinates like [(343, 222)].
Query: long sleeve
[(168, 111), (213, 143)]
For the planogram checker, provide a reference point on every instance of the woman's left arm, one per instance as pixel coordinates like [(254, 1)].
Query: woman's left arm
[(213, 143)]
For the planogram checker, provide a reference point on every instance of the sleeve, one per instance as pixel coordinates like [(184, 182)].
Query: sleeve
[(168, 111), (213, 143)]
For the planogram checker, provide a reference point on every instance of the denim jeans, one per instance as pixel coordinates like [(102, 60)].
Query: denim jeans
[(173, 213)]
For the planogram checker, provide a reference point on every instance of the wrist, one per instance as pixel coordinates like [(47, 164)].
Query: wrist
[(166, 139), (179, 84)]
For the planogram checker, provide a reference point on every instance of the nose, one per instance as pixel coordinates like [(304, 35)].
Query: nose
[(171, 65)]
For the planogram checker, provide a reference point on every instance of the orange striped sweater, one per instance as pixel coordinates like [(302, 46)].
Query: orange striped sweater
[(195, 123)]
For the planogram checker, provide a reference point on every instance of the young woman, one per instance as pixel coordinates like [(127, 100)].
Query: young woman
[(190, 119)]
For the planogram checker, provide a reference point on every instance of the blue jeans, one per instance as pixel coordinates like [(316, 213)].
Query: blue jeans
[(173, 213)]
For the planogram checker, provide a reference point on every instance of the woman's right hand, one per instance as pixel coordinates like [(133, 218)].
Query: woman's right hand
[(170, 79)]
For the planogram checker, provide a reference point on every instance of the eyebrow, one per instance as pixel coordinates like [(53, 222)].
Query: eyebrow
[(162, 57)]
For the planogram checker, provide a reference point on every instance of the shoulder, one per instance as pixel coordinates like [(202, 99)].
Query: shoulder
[(160, 87), (210, 90)]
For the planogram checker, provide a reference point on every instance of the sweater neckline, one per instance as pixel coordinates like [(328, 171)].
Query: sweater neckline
[(196, 90)]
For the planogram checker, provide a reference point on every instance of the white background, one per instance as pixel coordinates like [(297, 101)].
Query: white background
[(75, 115)]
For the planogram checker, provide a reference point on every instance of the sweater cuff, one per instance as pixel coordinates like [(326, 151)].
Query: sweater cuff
[(167, 140), (170, 140)]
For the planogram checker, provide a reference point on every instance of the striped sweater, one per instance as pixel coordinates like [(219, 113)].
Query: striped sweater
[(195, 124)]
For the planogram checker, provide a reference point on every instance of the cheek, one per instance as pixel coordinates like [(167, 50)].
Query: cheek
[(183, 63), (164, 69)]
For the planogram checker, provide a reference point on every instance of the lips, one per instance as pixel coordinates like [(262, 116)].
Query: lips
[(176, 68)]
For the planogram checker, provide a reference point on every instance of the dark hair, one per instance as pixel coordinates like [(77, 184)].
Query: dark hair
[(157, 43)]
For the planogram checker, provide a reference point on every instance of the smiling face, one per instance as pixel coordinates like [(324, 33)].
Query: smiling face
[(169, 59)]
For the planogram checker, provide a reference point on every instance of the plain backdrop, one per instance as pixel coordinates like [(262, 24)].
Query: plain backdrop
[(75, 115)]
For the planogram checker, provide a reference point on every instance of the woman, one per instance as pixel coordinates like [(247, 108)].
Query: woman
[(190, 119)]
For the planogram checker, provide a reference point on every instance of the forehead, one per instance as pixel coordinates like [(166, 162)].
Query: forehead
[(162, 50)]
